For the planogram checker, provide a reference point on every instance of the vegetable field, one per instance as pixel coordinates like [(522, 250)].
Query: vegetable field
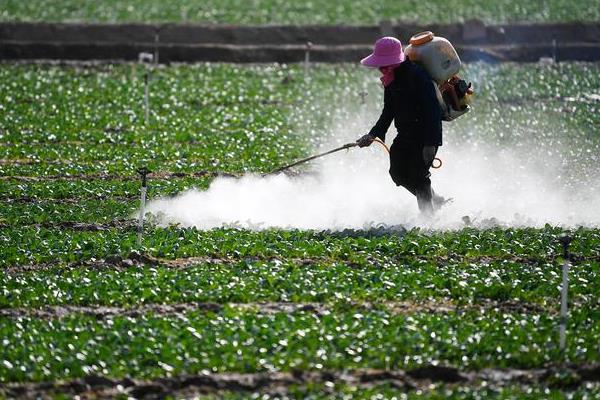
[(309, 12), (379, 312)]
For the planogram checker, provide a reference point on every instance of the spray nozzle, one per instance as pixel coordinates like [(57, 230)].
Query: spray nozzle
[(565, 240), (143, 172)]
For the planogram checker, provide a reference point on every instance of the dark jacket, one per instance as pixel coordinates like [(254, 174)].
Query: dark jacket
[(410, 100)]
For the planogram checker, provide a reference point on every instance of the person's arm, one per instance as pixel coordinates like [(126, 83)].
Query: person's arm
[(385, 119), (431, 112)]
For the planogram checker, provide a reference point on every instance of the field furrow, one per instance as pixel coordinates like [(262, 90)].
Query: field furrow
[(394, 307), (280, 383)]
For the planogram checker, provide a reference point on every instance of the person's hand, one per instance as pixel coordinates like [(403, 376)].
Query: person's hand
[(429, 154), (365, 140)]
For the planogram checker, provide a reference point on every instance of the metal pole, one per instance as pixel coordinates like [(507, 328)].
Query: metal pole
[(148, 58), (146, 96), (307, 56), (143, 174), (156, 42), (565, 241)]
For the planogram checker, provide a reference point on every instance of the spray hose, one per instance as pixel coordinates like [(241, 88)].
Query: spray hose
[(347, 146), (433, 164), (381, 142)]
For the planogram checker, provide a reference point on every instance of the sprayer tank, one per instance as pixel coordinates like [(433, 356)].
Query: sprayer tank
[(435, 54)]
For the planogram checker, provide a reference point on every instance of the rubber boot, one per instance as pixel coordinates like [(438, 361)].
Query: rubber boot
[(424, 198), (438, 201)]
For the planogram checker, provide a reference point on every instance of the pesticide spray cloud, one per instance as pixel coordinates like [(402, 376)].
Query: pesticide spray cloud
[(491, 184), (353, 190)]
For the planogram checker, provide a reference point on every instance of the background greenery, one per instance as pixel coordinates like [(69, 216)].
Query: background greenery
[(299, 12)]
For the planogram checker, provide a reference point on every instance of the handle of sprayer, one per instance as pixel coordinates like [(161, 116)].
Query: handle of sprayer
[(381, 142)]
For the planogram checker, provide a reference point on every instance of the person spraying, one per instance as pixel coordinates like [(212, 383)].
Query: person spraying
[(413, 101)]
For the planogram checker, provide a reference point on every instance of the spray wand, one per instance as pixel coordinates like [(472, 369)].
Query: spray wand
[(347, 146)]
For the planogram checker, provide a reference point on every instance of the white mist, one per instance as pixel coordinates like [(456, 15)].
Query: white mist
[(352, 189)]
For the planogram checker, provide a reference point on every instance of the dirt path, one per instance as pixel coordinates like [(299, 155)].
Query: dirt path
[(441, 305), (137, 259), (523, 42), (278, 383)]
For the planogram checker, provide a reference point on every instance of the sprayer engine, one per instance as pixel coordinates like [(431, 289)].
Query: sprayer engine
[(455, 96)]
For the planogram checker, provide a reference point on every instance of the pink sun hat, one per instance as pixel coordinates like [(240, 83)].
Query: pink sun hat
[(387, 51)]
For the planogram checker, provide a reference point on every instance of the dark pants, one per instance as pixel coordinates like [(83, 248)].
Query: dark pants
[(408, 169)]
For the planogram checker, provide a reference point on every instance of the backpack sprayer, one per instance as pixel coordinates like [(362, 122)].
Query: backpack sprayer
[(439, 58)]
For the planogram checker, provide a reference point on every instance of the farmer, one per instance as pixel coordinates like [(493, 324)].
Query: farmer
[(410, 101)]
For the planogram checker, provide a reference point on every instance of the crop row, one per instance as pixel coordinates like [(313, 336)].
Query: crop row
[(127, 186), (287, 267), (283, 12), (81, 210), (84, 201), (148, 345), (284, 280), (42, 245)]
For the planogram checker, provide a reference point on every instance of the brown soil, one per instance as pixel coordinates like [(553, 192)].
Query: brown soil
[(138, 259), (442, 305), (278, 383), (82, 226)]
